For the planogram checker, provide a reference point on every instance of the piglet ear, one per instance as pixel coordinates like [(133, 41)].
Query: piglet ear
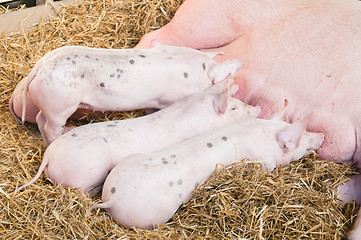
[(212, 54), (289, 137), (220, 102), (220, 71), (221, 86), (233, 90)]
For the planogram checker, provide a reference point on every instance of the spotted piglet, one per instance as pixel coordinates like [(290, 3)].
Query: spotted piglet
[(144, 191), (83, 157), (69, 78)]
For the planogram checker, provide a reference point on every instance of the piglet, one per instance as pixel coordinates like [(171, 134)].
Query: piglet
[(145, 190), (84, 156), (69, 78)]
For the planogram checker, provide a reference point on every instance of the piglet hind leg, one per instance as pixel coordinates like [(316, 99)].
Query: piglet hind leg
[(41, 120), (51, 126)]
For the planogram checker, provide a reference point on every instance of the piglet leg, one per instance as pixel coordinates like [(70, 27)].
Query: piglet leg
[(54, 128), (41, 120), (50, 126)]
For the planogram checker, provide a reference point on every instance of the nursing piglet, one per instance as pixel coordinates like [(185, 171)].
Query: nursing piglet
[(146, 190), (69, 78), (84, 156)]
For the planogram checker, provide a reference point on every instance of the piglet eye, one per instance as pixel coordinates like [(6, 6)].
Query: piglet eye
[(234, 108)]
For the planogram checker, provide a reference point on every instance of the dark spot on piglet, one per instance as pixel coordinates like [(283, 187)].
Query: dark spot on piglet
[(83, 75), (224, 138), (180, 195), (73, 62), (68, 58), (142, 56), (112, 75), (173, 156), (111, 125), (164, 161), (113, 190), (180, 181), (185, 75), (171, 184), (204, 66), (209, 145), (87, 56), (131, 61), (74, 135), (105, 140), (102, 84)]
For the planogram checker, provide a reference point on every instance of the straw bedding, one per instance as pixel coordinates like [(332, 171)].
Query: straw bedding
[(240, 201)]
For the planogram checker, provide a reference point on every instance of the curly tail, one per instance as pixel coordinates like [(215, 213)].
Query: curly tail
[(41, 169), (29, 79), (107, 204), (11, 108)]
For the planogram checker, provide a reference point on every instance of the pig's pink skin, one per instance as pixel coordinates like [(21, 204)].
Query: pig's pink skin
[(307, 52), (144, 191), (69, 78), (83, 157)]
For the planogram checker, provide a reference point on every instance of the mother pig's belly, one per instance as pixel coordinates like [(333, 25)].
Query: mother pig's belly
[(321, 83)]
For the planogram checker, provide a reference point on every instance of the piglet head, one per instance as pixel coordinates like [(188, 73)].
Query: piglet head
[(296, 142), (224, 102)]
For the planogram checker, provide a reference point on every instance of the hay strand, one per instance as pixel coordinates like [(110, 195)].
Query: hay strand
[(239, 202)]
